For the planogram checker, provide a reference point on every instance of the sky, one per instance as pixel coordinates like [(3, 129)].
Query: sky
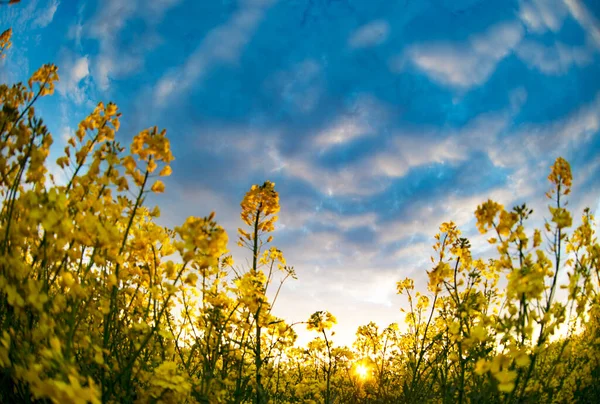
[(377, 119)]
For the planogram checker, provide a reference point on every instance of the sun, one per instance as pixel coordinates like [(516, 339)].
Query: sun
[(361, 371)]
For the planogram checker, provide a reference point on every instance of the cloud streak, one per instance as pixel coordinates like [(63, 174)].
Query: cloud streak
[(222, 45), (470, 64), (371, 34), (47, 15), (113, 62)]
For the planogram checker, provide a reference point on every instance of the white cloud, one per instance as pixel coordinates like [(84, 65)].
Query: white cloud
[(556, 59), (378, 289), (343, 131), (156, 9), (222, 45), (108, 66), (300, 87), (81, 69), (354, 179), (30, 14), (540, 142), (586, 19), (75, 33), (542, 15), (111, 18), (408, 149), (113, 62), (66, 133), (467, 64), (364, 117), (15, 66), (105, 26), (258, 148), (295, 217), (427, 219), (165, 87), (46, 15), (372, 34), (73, 73), (76, 29), (420, 146)]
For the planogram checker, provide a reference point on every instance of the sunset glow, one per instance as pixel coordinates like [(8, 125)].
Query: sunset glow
[(362, 371)]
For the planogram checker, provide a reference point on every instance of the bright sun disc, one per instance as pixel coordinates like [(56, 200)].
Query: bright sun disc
[(362, 371)]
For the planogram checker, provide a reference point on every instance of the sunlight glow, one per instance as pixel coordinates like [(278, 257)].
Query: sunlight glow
[(361, 371)]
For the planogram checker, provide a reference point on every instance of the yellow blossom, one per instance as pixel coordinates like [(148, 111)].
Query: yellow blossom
[(158, 187)]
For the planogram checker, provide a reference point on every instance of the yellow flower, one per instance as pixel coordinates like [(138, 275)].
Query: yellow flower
[(98, 358), (506, 223), (478, 333), (486, 214), (260, 200), (111, 280), (482, 366), (158, 187), (55, 344), (561, 217), (166, 171), (522, 360), (321, 320), (111, 109), (5, 41), (191, 279), (561, 175), (506, 379), (537, 238), (406, 284), (436, 276), (152, 165), (506, 387), (67, 279), (45, 76)]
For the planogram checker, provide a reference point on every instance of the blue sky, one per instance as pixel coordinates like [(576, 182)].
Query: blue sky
[(377, 119)]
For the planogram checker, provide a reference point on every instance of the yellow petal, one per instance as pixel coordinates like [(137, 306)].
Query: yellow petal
[(165, 172), (158, 187)]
